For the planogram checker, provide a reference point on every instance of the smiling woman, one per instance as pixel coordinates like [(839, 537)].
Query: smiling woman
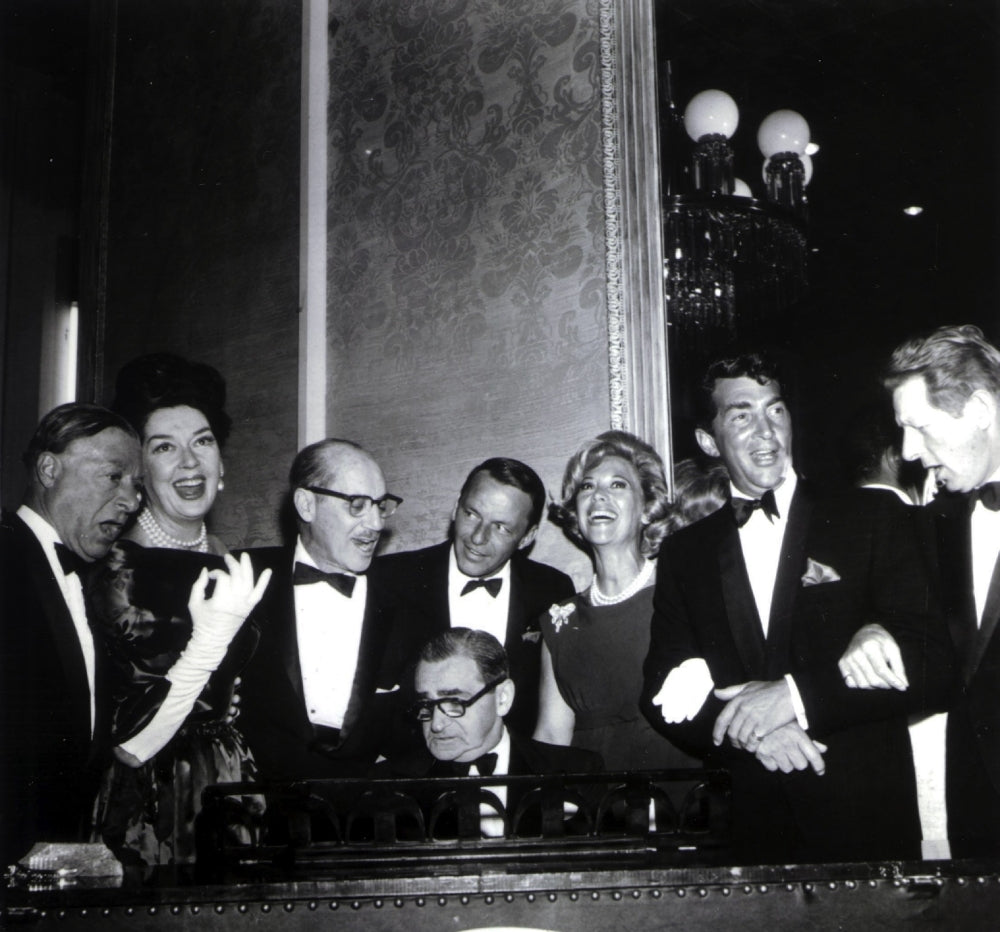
[(171, 730), (614, 502)]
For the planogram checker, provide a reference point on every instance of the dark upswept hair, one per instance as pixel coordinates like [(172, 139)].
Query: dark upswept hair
[(69, 422), (699, 490), (954, 362), (649, 466), (514, 473), (163, 380), (479, 646), (757, 366), (310, 467)]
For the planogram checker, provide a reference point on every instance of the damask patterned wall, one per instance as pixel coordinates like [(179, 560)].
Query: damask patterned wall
[(466, 313)]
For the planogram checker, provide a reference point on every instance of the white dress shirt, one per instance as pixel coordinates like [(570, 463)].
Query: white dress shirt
[(72, 592), (328, 631), (478, 609)]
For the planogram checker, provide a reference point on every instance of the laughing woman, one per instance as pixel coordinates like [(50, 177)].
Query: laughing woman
[(614, 502), (175, 655)]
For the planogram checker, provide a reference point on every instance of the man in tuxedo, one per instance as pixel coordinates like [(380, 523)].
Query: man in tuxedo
[(464, 692), (946, 395), (753, 607), (481, 578), (84, 472), (310, 700)]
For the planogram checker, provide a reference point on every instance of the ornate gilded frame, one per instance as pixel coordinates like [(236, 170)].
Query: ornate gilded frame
[(637, 325)]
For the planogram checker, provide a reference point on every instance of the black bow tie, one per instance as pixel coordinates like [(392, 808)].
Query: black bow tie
[(486, 764), (492, 586), (70, 561), (744, 507), (989, 495), (305, 574)]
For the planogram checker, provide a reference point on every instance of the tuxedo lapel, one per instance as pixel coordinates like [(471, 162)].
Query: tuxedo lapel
[(787, 584), (515, 609), (438, 583), (369, 655), (953, 533), (63, 633), (741, 609), (988, 624)]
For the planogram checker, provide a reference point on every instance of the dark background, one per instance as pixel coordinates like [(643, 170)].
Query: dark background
[(901, 96)]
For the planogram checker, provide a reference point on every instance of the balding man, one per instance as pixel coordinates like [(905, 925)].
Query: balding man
[(310, 698)]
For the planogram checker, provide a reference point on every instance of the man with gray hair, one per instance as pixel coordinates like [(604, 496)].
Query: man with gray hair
[(946, 394), (83, 484)]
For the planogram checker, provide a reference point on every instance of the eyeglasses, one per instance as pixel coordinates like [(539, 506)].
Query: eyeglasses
[(359, 504), (451, 706)]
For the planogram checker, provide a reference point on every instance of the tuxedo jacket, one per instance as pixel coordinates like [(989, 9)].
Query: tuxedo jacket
[(865, 804), (417, 599), (273, 718), (50, 763), (973, 738)]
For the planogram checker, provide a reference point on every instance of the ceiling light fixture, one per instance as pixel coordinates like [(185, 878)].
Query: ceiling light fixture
[(731, 257)]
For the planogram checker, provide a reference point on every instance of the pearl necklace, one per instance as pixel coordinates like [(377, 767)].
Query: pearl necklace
[(644, 576), (161, 538)]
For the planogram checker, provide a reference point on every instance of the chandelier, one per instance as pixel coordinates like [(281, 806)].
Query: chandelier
[(732, 258)]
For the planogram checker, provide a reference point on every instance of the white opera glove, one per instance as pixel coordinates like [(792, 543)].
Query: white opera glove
[(684, 691), (214, 623)]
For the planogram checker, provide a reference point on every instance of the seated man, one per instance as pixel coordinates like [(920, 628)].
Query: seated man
[(464, 690)]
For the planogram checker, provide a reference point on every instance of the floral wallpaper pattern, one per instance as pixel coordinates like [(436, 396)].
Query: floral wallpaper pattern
[(466, 269)]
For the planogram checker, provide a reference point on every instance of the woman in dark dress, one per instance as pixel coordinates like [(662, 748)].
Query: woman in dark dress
[(176, 656), (615, 502)]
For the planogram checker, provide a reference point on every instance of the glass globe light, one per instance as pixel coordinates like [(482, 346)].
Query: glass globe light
[(783, 131), (711, 112), (741, 188)]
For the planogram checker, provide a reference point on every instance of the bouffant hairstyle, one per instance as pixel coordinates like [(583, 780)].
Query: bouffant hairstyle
[(700, 489), (649, 466), (163, 380)]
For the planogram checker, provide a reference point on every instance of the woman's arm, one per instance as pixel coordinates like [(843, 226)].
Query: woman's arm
[(215, 621), (555, 718)]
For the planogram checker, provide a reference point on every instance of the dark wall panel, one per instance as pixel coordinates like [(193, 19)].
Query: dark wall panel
[(202, 248)]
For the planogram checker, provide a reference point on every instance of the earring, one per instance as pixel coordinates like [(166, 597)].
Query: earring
[(222, 484)]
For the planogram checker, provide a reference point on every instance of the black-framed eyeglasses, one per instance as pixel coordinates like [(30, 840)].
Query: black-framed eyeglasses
[(359, 504), (452, 706)]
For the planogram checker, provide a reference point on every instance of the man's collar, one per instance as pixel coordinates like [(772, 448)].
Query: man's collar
[(41, 528), (885, 487)]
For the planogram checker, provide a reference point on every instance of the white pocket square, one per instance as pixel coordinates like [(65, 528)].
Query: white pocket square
[(818, 573), (379, 690)]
